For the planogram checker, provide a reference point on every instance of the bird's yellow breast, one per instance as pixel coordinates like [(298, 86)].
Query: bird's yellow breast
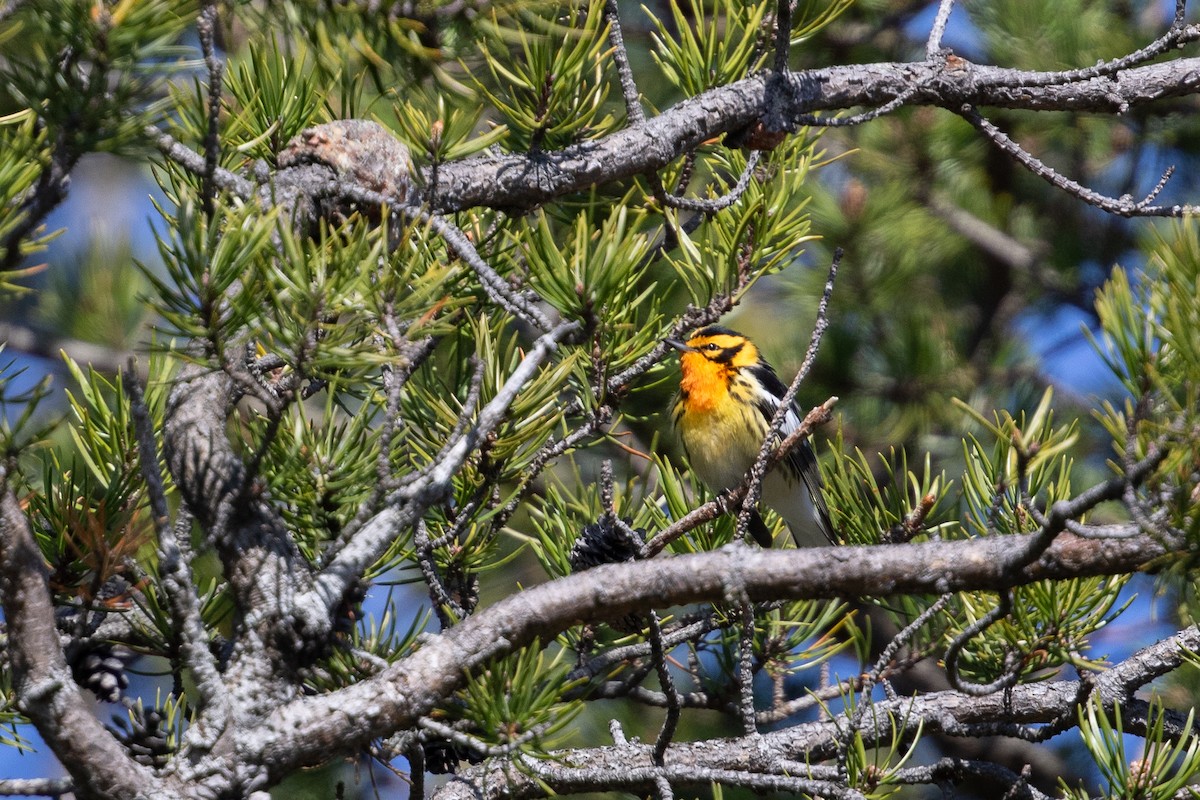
[(720, 428)]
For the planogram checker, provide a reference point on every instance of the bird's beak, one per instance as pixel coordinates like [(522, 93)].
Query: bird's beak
[(682, 347)]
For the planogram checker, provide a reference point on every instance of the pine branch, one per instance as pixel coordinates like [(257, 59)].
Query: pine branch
[(45, 691), (301, 732), (629, 767)]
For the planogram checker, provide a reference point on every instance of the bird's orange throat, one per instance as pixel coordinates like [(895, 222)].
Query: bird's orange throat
[(705, 384)]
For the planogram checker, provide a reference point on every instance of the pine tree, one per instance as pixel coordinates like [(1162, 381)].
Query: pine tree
[(374, 471)]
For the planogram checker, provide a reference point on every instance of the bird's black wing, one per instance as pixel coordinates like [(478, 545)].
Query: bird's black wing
[(801, 461)]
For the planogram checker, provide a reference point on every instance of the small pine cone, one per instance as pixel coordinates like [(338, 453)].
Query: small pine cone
[(145, 737), (102, 670), (440, 757), (605, 543)]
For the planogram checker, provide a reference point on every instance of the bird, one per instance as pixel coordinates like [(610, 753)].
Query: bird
[(728, 394)]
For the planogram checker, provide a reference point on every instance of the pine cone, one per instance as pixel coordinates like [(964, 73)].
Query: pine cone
[(440, 757), (603, 543), (145, 736), (102, 670)]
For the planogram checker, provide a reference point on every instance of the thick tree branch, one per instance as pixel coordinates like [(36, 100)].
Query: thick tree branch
[(307, 731), (174, 568), (262, 563), (36, 787), (45, 691), (524, 181), (520, 180)]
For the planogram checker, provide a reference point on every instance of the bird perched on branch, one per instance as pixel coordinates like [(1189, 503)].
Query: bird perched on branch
[(727, 397)]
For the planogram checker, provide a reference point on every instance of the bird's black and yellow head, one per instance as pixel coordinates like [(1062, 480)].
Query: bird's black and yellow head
[(710, 359), (719, 345)]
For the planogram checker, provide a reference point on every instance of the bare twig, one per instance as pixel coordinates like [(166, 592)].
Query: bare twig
[(1177, 35), (629, 90), (783, 34), (498, 290), (603, 663), (206, 29), (746, 659), (814, 698), (491, 415), (474, 390), (1123, 206), (972, 774), (889, 653), (410, 355), (715, 204), (582, 431), (407, 503), (1011, 662), (1054, 521), (759, 470), (934, 45), (476, 745), (196, 163), (443, 605), (853, 120), (658, 655)]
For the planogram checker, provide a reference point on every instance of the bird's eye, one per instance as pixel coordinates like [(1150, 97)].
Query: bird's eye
[(711, 346)]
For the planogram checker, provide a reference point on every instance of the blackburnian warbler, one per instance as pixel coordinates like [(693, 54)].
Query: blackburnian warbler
[(727, 397)]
